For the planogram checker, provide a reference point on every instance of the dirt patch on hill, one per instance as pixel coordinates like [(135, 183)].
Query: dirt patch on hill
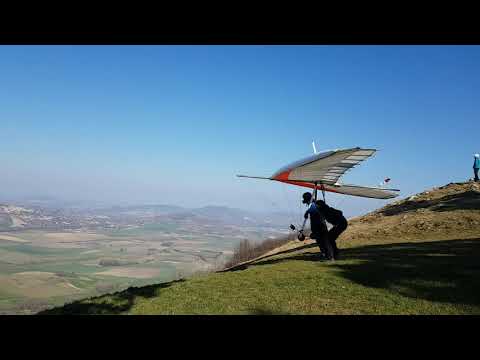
[(448, 212)]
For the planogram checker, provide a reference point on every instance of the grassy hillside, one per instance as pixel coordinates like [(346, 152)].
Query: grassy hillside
[(416, 256)]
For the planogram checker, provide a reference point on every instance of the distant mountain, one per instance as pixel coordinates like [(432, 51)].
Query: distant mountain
[(221, 212), (77, 216), (154, 210), (237, 216)]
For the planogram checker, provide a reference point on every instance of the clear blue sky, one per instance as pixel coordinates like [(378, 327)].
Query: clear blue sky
[(174, 124)]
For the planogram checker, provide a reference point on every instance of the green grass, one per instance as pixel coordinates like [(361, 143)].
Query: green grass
[(440, 277)]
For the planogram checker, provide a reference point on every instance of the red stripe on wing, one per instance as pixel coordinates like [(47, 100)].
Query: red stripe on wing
[(283, 176)]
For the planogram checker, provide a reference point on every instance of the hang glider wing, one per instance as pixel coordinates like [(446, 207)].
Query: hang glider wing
[(364, 191), (325, 167)]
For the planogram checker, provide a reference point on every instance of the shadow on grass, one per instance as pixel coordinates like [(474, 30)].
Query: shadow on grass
[(441, 271), (118, 303)]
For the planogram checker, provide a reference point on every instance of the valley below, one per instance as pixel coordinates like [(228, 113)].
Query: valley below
[(52, 256)]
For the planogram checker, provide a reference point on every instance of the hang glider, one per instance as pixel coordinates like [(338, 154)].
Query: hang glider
[(322, 171)]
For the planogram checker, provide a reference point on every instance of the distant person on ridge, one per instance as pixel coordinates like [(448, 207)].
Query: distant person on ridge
[(339, 222), (476, 166), (318, 226)]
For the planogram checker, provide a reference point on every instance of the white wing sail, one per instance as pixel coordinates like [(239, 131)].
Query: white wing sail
[(323, 170), (363, 191), (325, 167)]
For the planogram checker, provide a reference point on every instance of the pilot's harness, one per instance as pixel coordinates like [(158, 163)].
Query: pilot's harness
[(301, 235)]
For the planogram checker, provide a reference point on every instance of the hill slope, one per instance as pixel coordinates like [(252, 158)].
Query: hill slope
[(415, 256)]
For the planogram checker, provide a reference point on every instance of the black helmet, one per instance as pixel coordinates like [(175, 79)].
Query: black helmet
[(307, 197)]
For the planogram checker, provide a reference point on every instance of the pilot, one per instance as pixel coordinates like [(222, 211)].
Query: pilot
[(338, 221), (318, 226)]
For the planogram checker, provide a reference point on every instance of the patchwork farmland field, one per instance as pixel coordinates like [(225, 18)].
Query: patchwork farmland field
[(40, 269)]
